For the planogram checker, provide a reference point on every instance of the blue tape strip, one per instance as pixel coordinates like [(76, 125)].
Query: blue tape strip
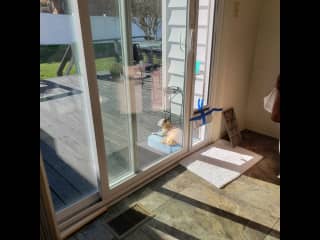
[(203, 113)]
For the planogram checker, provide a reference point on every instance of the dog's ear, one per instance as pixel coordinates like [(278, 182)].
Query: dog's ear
[(161, 122), (167, 121)]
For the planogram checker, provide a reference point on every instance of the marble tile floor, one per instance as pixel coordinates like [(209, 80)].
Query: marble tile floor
[(187, 207)]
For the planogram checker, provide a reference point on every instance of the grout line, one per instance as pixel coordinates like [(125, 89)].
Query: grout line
[(272, 228)]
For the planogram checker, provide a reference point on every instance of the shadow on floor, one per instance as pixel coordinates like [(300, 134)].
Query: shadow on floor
[(268, 168), (222, 213), (172, 231), (132, 218)]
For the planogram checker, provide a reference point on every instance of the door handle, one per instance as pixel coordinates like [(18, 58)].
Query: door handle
[(190, 40), (182, 45)]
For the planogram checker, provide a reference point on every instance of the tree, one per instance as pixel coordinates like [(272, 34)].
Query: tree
[(146, 14), (52, 6), (101, 7), (96, 7)]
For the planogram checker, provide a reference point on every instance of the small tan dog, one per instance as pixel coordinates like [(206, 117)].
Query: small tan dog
[(171, 135)]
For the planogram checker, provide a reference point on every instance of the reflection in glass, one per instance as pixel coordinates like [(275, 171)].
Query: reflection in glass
[(66, 136), (140, 73), (203, 59)]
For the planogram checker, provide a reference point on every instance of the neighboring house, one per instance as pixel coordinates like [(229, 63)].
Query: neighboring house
[(96, 8), (53, 6), (100, 7)]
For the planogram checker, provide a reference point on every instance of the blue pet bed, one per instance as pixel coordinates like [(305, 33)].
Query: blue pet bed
[(154, 141)]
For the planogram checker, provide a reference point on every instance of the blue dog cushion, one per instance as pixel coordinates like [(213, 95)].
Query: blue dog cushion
[(154, 141)]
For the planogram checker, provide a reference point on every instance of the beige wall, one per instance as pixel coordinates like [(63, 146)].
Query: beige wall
[(234, 55), (266, 68)]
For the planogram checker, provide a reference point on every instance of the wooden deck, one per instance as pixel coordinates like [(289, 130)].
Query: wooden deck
[(65, 142)]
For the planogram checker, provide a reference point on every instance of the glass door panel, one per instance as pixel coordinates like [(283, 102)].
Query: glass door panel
[(106, 36), (66, 132), (140, 55), (157, 70), (203, 61)]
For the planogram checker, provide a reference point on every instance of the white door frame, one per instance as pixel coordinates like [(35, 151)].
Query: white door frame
[(86, 58), (84, 211), (66, 216)]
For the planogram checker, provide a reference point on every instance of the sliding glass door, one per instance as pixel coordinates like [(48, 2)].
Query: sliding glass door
[(115, 94), (106, 30), (203, 68), (140, 56), (67, 139)]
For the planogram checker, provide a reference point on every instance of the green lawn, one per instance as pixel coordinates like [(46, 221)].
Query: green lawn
[(108, 63), (49, 70)]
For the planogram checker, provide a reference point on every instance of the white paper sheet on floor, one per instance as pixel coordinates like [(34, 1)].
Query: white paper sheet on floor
[(218, 176), (220, 163), (227, 156)]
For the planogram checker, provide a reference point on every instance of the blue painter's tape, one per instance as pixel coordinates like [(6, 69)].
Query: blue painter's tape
[(204, 113)]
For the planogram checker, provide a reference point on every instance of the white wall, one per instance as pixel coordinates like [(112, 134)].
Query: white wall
[(234, 58), (266, 68)]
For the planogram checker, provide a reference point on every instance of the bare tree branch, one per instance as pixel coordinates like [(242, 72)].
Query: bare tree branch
[(146, 15)]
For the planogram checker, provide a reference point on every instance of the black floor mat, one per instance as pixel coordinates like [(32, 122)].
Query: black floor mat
[(128, 220)]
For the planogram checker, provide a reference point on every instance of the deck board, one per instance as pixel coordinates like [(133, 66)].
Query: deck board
[(71, 175), (57, 202), (62, 187)]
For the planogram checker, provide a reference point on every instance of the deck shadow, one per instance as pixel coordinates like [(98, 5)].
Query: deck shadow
[(50, 86), (66, 184)]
